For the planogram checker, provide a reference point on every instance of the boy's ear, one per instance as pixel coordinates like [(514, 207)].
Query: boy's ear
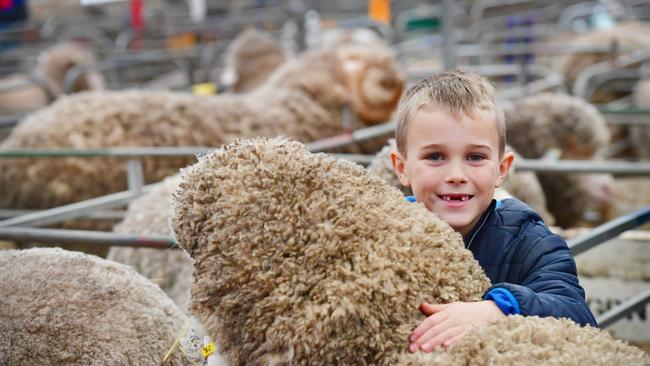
[(398, 162), (504, 167)]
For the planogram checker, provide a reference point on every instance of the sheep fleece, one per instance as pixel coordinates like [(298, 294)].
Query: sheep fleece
[(303, 259), (518, 340), (69, 308), (149, 215)]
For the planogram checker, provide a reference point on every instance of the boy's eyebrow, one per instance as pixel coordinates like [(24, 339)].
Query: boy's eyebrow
[(481, 146), (473, 146)]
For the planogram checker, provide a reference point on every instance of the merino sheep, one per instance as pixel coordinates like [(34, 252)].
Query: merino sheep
[(304, 259), (299, 258), (51, 69), (519, 340), (302, 99), (250, 59), (169, 269), (539, 123), (61, 307), (522, 185), (544, 123), (626, 36)]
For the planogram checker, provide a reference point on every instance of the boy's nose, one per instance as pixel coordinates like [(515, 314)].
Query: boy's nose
[(455, 174)]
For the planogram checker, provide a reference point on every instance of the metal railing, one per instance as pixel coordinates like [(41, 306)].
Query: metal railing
[(602, 234)]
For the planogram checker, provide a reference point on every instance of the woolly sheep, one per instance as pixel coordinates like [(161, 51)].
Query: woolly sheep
[(250, 59), (302, 99), (628, 36), (51, 68), (169, 269), (61, 307), (304, 244), (544, 123), (522, 185), (304, 259), (519, 340)]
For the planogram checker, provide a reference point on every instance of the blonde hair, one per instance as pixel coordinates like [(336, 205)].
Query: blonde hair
[(457, 90)]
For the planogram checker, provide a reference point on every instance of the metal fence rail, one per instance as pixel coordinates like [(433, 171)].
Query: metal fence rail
[(627, 307), (608, 231), (60, 236), (602, 234), (74, 210)]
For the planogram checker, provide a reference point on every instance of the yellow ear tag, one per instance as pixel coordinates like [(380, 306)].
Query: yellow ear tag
[(207, 350), (204, 89)]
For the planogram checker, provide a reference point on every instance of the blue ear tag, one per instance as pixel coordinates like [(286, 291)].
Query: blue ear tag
[(411, 199)]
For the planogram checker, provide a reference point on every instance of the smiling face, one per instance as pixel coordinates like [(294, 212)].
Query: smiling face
[(452, 164)]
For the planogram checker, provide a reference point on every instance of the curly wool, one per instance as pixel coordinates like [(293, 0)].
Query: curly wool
[(546, 122), (61, 307), (518, 340), (543, 122), (170, 269), (304, 259), (302, 99), (628, 36), (250, 58)]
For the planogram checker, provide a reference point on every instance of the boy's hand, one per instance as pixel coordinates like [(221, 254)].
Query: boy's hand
[(447, 324)]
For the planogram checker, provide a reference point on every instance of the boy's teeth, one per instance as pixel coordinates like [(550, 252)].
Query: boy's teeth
[(461, 198)]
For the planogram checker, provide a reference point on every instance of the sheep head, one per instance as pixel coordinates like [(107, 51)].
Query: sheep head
[(309, 260), (251, 57), (375, 85), (54, 63), (562, 122)]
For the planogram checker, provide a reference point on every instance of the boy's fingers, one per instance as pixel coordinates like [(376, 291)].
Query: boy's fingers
[(427, 324), (426, 337), (429, 309), (440, 339), (450, 343)]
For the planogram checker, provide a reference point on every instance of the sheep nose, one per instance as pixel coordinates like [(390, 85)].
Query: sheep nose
[(388, 83)]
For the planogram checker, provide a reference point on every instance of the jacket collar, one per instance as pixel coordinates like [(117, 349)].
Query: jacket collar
[(480, 224)]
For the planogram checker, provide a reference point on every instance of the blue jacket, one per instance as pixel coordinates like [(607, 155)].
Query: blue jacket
[(531, 269)]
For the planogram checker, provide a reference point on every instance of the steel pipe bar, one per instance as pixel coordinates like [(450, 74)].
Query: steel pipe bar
[(346, 139), (627, 307), (74, 210), (122, 152), (608, 231), (60, 236), (615, 167), (627, 116), (115, 214)]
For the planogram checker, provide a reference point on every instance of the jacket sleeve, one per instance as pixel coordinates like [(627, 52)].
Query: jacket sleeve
[(549, 283)]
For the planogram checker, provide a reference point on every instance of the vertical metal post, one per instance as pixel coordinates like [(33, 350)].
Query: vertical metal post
[(134, 175), (448, 34)]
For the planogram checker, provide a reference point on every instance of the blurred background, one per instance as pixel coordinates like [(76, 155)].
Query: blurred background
[(573, 78)]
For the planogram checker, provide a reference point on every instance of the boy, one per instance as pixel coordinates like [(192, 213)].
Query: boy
[(451, 152)]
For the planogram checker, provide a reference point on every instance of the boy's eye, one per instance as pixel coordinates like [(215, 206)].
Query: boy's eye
[(475, 157), (435, 157)]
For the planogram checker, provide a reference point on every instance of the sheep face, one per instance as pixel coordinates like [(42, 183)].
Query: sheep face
[(58, 60), (374, 83)]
